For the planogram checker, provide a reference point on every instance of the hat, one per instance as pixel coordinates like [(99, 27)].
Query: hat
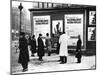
[(33, 36), (40, 34)]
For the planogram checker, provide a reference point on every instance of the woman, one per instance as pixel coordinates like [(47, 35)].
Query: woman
[(24, 54)]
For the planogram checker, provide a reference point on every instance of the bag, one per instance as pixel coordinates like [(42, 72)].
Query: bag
[(78, 55)]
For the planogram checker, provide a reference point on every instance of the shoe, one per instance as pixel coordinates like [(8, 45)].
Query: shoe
[(65, 62), (78, 62), (24, 70), (40, 59)]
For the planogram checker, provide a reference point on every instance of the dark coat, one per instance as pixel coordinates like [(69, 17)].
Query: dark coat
[(40, 50), (33, 45), (24, 54), (29, 41), (78, 49)]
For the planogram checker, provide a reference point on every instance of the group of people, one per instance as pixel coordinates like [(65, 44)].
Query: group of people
[(63, 53), (39, 48), (25, 43)]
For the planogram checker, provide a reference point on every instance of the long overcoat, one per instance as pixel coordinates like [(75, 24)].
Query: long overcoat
[(23, 54), (48, 43), (33, 45), (40, 50), (78, 49), (63, 45)]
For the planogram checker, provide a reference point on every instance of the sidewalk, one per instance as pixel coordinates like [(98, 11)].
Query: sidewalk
[(51, 63)]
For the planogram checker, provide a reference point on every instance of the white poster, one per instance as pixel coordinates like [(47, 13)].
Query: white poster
[(57, 26), (92, 17), (91, 33), (74, 27), (41, 25)]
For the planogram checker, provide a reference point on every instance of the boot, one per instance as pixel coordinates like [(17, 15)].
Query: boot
[(62, 60)]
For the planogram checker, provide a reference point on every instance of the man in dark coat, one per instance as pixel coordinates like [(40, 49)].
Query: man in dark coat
[(24, 54), (33, 45), (40, 50), (78, 50), (48, 44)]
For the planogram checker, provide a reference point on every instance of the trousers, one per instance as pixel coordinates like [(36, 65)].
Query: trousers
[(25, 65)]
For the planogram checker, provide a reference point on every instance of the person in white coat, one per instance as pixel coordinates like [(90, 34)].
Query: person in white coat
[(63, 48)]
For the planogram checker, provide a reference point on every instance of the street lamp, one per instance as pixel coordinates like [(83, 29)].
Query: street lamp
[(20, 7)]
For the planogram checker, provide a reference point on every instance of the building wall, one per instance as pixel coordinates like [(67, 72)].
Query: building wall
[(59, 15), (90, 44)]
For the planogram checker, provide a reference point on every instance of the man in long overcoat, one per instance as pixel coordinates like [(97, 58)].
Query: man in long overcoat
[(40, 50), (23, 54), (48, 44), (78, 50), (63, 48), (33, 45)]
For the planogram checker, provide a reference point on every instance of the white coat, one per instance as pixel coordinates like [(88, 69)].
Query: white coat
[(63, 45)]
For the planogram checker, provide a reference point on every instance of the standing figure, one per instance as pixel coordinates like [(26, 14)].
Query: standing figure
[(57, 30), (40, 50), (48, 44), (78, 50), (58, 44), (33, 45), (24, 54), (63, 48), (29, 42), (27, 37)]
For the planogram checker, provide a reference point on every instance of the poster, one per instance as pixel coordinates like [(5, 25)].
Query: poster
[(91, 33), (57, 29), (74, 27), (41, 25), (57, 26), (92, 17)]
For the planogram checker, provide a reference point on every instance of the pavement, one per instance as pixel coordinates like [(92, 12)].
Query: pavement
[(50, 63)]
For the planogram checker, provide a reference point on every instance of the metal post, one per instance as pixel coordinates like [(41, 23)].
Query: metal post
[(20, 21), (20, 8)]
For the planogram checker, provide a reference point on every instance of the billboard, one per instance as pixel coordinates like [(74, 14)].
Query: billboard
[(91, 33), (92, 17), (41, 25), (74, 27)]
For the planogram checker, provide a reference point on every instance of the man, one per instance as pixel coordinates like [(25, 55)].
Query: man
[(33, 45), (48, 44), (63, 48), (78, 50), (57, 29), (24, 54), (40, 50)]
